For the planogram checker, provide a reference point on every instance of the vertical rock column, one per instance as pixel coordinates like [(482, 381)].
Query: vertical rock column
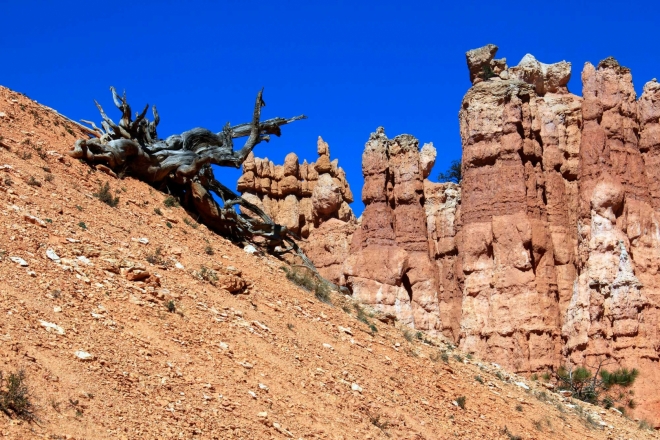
[(510, 311), (389, 266)]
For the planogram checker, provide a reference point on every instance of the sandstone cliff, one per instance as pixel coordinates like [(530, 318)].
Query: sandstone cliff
[(548, 251)]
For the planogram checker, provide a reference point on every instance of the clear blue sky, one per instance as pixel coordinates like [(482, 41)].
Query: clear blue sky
[(349, 66)]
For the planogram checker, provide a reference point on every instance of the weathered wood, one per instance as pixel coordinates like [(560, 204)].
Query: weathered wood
[(181, 165)]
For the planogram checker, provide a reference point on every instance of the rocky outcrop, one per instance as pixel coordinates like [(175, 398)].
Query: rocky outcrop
[(549, 250), (311, 199), (389, 266)]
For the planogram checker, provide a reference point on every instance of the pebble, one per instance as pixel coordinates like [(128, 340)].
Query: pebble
[(263, 387), (346, 330), (52, 255), (522, 385), (84, 356), (253, 394), (250, 249), (356, 387), (143, 240), (50, 326), (328, 346), (19, 260), (179, 265)]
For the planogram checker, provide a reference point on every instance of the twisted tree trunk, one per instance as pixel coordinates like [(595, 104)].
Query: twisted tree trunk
[(181, 166)]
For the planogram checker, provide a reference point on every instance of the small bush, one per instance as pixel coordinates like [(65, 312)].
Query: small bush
[(408, 335), (105, 196), (644, 424), (171, 307), (322, 292), (360, 314), (534, 377), (168, 224), (156, 258), (82, 225), (445, 357), (290, 326), (79, 208), (511, 436), (170, 202), (461, 402), (479, 379), (376, 420), (519, 408), (373, 328), (209, 250), (158, 211), (15, 396), (33, 182), (546, 376), (458, 358), (589, 387), (49, 177), (25, 155), (302, 279), (207, 274), (190, 223)]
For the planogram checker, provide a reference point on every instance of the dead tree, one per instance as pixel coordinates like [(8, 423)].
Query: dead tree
[(181, 166)]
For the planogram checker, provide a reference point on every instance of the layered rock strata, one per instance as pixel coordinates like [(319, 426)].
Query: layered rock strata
[(548, 252), (311, 199), (389, 265)]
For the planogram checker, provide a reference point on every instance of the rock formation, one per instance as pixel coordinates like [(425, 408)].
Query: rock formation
[(549, 250), (389, 266), (310, 199)]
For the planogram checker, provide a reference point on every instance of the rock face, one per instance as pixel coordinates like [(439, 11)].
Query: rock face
[(389, 266), (548, 252), (311, 199)]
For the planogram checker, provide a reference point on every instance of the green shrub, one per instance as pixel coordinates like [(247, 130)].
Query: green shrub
[(170, 202), (461, 402), (105, 196), (15, 396), (171, 307), (158, 211), (209, 250), (604, 387)]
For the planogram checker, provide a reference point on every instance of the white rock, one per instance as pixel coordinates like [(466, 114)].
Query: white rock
[(52, 255), (19, 260), (72, 240), (84, 356), (356, 387), (96, 316), (250, 249), (522, 385), (3, 115), (263, 387), (253, 394), (34, 220), (224, 346), (328, 346), (84, 260), (57, 309), (346, 330), (50, 326), (262, 414), (143, 240), (178, 265)]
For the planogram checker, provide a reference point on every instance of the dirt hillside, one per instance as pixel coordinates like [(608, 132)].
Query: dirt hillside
[(122, 321)]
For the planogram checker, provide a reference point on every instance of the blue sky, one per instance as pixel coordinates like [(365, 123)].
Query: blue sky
[(349, 66)]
